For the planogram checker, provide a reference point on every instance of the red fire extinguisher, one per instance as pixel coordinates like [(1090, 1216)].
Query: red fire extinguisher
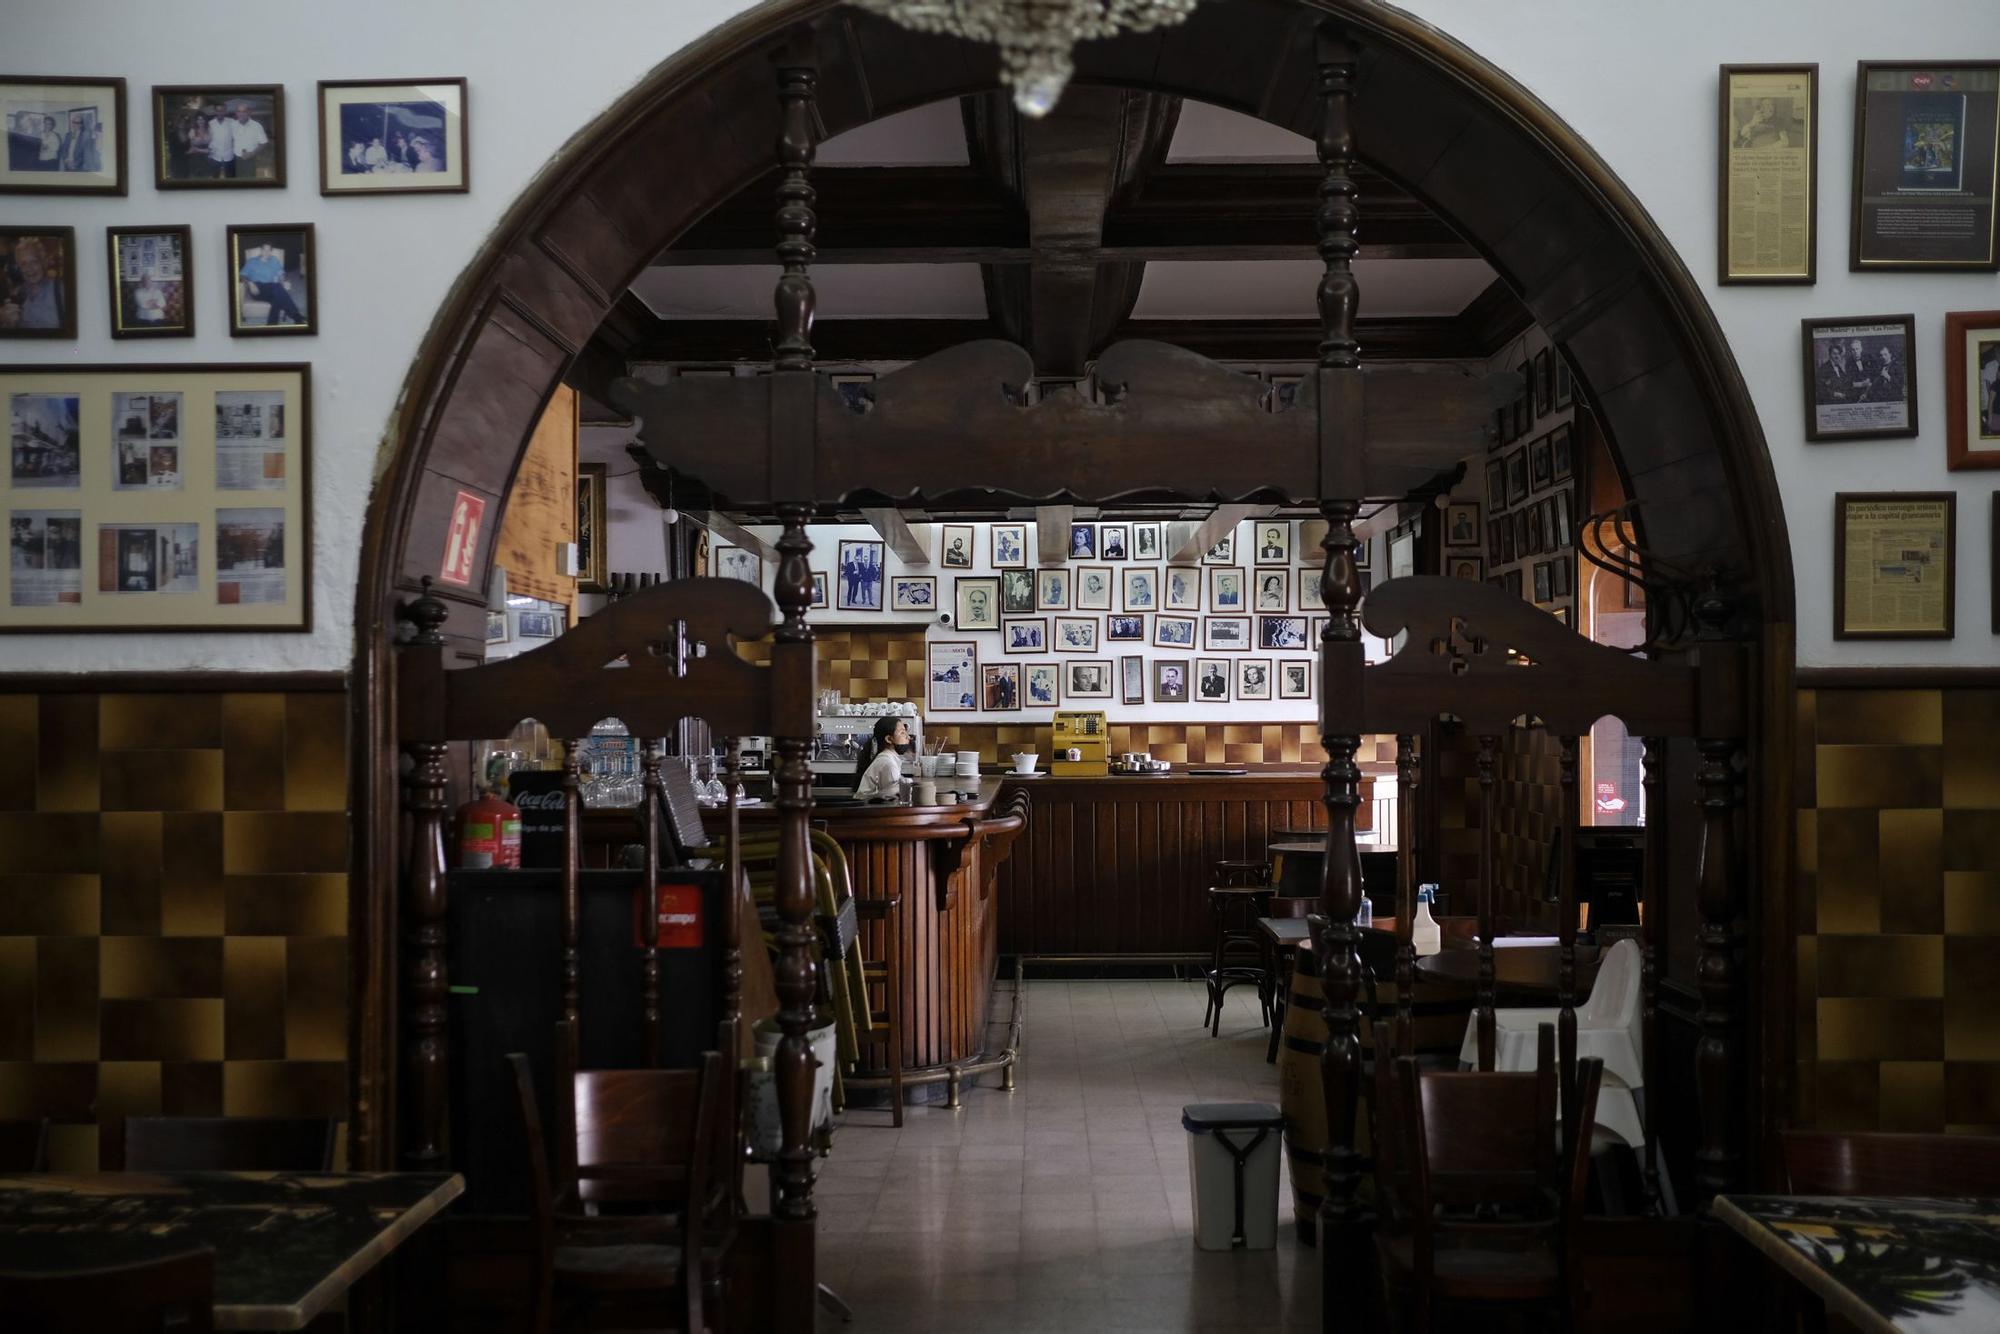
[(489, 833)]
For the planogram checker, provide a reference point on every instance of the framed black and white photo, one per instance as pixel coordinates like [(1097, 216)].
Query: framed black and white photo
[(819, 597), (1170, 681), (1075, 634), (1272, 590), (856, 389), (1223, 552), (1312, 594), (1545, 383), (1225, 589), (1025, 634), (1117, 627), (1541, 463), (1010, 546), (1183, 589), (1000, 686), (1972, 389), (392, 136), (976, 603), (64, 136), (1253, 678), (38, 282), (860, 576), (1544, 580), (593, 530), (1926, 167), (1017, 592), (496, 627), (1281, 632), (1565, 383), (272, 281), (1465, 567), (1295, 679), (1083, 541), (1173, 631), (1517, 476), (1052, 590), (955, 546), (1113, 541), (1088, 678), (1091, 585), (913, 592), (1212, 679), (1273, 541), (1225, 634), (1283, 393), (536, 624), (1141, 588), (151, 284), (1461, 525), (738, 563), (1132, 679), (951, 676), (1860, 377), (1562, 453), (219, 138), (1040, 682), (1145, 541)]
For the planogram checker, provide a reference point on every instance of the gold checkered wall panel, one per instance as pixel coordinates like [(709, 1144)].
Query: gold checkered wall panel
[(1528, 810), (1898, 909), (173, 909)]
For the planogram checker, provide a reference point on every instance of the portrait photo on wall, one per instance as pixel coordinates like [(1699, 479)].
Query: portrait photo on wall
[(977, 602), (738, 563), (1089, 678), (271, 287), (1112, 542), (1860, 380), (1295, 680), (405, 137), (913, 592), (1025, 634), (955, 546), (1000, 686), (860, 576), (219, 138), (152, 282), (1274, 542), (1141, 591), (1040, 681), (1170, 681), (1017, 591), (1461, 525), (1972, 389), (1145, 541), (1092, 587), (64, 136), (37, 282), (1212, 680), (1083, 541), (1253, 678), (1125, 627), (1010, 546)]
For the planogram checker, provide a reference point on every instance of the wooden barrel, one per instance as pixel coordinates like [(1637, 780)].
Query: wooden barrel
[(1301, 1095)]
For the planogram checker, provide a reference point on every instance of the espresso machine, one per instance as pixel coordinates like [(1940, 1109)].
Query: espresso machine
[(841, 736)]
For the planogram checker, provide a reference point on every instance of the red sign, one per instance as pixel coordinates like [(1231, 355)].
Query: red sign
[(461, 541), (677, 917)]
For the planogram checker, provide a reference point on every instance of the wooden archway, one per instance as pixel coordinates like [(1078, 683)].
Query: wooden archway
[(1450, 128)]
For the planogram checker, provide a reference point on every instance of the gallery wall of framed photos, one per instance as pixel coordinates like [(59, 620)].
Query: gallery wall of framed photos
[(1520, 533)]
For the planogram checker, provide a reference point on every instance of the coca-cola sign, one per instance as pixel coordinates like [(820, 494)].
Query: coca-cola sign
[(538, 794)]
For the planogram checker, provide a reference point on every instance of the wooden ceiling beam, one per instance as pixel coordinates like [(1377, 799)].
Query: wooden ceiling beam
[(895, 529), (1052, 533)]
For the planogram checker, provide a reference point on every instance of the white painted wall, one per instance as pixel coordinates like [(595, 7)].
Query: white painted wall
[(1637, 82)]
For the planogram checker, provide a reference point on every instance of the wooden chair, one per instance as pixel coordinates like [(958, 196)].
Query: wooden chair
[(1236, 898), (24, 1146), (229, 1143), (1830, 1162), (1478, 1204), (174, 1292)]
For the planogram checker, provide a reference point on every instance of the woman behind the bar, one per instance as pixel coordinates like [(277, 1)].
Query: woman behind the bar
[(880, 768)]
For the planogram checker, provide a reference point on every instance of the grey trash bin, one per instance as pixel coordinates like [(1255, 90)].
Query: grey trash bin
[(1233, 1164)]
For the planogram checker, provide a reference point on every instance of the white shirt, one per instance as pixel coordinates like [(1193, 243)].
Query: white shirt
[(222, 139), (882, 776), (248, 136)]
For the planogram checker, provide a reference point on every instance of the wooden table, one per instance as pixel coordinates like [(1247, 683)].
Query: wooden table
[(1888, 1264), (286, 1244), (1525, 975)]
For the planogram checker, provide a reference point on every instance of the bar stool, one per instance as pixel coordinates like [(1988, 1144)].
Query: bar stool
[(1236, 900)]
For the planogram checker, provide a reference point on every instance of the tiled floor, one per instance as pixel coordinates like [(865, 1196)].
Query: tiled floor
[(1064, 1206)]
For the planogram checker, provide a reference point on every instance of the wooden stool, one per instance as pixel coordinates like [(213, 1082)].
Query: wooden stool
[(1235, 901)]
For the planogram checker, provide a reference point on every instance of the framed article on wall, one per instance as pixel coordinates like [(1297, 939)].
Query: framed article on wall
[(1926, 166), (1768, 174)]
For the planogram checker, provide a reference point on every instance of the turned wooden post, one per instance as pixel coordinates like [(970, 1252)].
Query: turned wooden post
[(1407, 770), (572, 888), (1566, 949), (794, 890), (649, 888), (1338, 217), (1721, 676), (425, 1032), (798, 226), (1482, 1011), (1652, 942)]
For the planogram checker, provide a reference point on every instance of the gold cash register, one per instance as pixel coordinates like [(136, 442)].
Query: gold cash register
[(1089, 736)]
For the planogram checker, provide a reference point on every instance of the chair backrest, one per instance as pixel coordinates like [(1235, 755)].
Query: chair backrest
[(24, 1146), (1827, 1162), (229, 1143), (544, 1194), (1482, 1137), (1614, 996), (641, 1137), (174, 1292)]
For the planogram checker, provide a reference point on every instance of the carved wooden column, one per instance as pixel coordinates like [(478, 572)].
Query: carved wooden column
[(1566, 948), (650, 987), (1652, 884), (1719, 898), (798, 227), (1482, 1010), (794, 891), (1407, 771), (424, 979), (1338, 216), (572, 889)]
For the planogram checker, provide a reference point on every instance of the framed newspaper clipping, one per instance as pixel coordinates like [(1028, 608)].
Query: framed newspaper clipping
[(158, 497), (1926, 166), (1769, 168), (1894, 564)]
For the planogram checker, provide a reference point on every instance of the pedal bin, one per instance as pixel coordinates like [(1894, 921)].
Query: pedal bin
[(1233, 1164)]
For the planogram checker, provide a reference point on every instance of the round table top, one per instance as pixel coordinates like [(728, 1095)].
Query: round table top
[(1527, 972), (1276, 836), (1304, 847)]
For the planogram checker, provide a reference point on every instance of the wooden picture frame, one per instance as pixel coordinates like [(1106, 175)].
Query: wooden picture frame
[(1114, 541), (1170, 680), (1253, 679), (1120, 627), (1461, 524), (1899, 594), (739, 563), (1228, 590), (1465, 567), (1073, 634), (1903, 111), (296, 282), (1295, 678), (820, 600), (1562, 453), (1283, 393), (1132, 679), (1852, 369), (1222, 551), (1566, 380), (1312, 593), (1052, 589), (1271, 542), (1024, 634), (1000, 687), (1972, 389), (1517, 475), (976, 604), (1271, 590), (1146, 541), (955, 541), (1277, 633), (1767, 174), (1017, 592), (951, 676), (1174, 631), (1139, 588), (49, 311), (1541, 464), (1009, 546), (1034, 675), (167, 498), (184, 137), (1181, 588), (1225, 634), (1090, 586), (61, 162), (914, 593), (856, 392), (1077, 680), (1082, 541), (1993, 553), (361, 121), (1545, 384), (150, 283), (593, 534), (1214, 680), (865, 586)]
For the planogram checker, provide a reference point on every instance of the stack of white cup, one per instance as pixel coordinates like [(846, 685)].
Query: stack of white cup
[(968, 764)]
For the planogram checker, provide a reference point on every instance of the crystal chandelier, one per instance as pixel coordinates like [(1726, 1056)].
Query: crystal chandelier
[(1035, 37)]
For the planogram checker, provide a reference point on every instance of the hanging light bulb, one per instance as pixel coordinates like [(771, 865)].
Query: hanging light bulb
[(669, 516), (1036, 37)]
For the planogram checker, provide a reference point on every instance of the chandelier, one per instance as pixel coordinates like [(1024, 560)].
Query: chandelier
[(1035, 37)]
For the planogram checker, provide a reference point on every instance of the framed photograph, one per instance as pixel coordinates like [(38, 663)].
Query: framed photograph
[(1295, 679), (1223, 552), (1114, 541), (1501, 429), (860, 576), (1088, 678), (271, 287), (1000, 686), (1145, 541), (1041, 681), (592, 533), (1894, 564), (536, 624), (1010, 546), (951, 676), (1312, 594), (150, 497), (1092, 586), (1183, 589), (1052, 590), (819, 599), (1403, 552), (1083, 541), (913, 592), (1524, 397), (1282, 632), (392, 136), (1140, 588), (739, 563), (496, 627), (1544, 580), (151, 282), (1212, 679), (1225, 589), (1972, 389), (1559, 505), (1131, 628), (955, 546), (1514, 584), (1926, 146), (1461, 524), (1132, 679), (1076, 634), (1541, 464), (1283, 393), (64, 136), (1017, 592), (1517, 476), (1025, 634), (1273, 541), (1173, 631), (38, 282), (1565, 384), (976, 603), (1225, 634), (1767, 161), (1496, 485), (855, 389), (1253, 678), (1559, 577), (1545, 383), (223, 138), (1272, 590), (1860, 377), (1170, 681), (1465, 567), (1538, 534), (1562, 453)]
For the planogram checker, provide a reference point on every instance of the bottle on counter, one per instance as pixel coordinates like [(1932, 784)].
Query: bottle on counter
[(1425, 933), (1366, 915)]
